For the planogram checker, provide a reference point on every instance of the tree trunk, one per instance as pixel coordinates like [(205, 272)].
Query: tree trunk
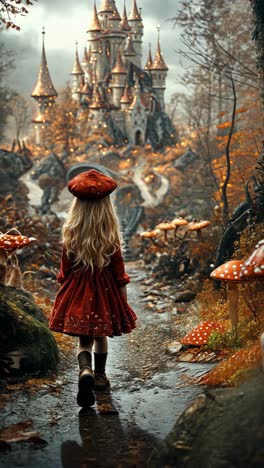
[(258, 36)]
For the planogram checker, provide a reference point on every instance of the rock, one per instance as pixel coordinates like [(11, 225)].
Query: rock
[(24, 331), (174, 347), (223, 428), (185, 296), (186, 159)]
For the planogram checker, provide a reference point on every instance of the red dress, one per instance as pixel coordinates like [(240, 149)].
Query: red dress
[(90, 304)]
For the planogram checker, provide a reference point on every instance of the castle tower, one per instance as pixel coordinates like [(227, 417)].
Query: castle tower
[(119, 74), (109, 16), (85, 63), (159, 71), (129, 51), (95, 43), (149, 62), (136, 24), (124, 25), (136, 118), (78, 75), (97, 106), (45, 94), (126, 99)]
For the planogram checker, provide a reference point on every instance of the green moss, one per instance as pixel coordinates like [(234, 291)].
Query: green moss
[(23, 327)]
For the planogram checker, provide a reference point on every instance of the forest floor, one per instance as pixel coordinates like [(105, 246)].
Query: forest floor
[(149, 390)]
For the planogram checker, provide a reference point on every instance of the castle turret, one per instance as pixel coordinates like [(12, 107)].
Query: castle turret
[(124, 22), (119, 74), (78, 75), (87, 92), (129, 51), (94, 40), (159, 71), (126, 99), (109, 15), (85, 63), (44, 93), (137, 31), (149, 62), (97, 106)]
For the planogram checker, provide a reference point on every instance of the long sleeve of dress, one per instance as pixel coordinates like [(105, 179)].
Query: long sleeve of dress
[(117, 268), (65, 267)]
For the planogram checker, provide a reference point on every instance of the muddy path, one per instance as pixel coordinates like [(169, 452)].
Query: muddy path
[(148, 393)]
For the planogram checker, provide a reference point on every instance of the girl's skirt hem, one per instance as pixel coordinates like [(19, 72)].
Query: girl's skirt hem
[(92, 334)]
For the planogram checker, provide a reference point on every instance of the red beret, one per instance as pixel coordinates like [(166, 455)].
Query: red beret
[(91, 185)]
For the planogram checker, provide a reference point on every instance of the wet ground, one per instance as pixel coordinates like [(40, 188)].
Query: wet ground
[(149, 390)]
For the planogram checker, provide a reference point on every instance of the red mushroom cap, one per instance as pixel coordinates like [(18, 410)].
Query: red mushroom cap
[(200, 335), (254, 265), (229, 271), (10, 243)]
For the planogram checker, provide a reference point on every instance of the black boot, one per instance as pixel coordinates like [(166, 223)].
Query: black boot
[(101, 381), (85, 396)]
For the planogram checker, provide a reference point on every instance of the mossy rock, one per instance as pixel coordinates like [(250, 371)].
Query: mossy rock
[(24, 328), (220, 429)]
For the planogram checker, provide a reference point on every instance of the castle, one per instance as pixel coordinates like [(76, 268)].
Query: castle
[(110, 81)]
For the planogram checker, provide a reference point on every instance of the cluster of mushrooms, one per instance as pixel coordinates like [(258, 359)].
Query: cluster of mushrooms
[(162, 229), (10, 242), (238, 271)]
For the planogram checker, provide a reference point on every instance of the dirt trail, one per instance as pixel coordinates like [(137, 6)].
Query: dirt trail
[(147, 390)]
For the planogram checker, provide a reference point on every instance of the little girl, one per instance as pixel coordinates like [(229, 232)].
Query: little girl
[(92, 301)]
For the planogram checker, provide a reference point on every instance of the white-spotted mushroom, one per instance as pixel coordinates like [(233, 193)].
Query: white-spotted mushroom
[(229, 272), (253, 267), (11, 242), (200, 335)]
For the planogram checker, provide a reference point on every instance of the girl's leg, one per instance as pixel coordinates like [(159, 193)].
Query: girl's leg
[(101, 344), (100, 358), (85, 343), (85, 395)]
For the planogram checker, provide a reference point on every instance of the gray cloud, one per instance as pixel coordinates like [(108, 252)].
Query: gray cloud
[(157, 9)]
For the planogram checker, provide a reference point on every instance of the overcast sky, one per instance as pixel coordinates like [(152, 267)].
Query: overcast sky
[(65, 22)]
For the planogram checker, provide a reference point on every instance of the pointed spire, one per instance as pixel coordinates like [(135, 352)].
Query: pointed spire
[(44, 86), (124, 22), (129, 50), (96, 100), (95, 24), (149, 62), (86, 58), (87, 89), (159, 63), (116, 15), (134, 14), (119, 67), (106, 6), (126, 98), (77, 69)]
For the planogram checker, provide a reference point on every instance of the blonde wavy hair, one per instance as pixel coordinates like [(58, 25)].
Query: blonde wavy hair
[(91, 232)]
